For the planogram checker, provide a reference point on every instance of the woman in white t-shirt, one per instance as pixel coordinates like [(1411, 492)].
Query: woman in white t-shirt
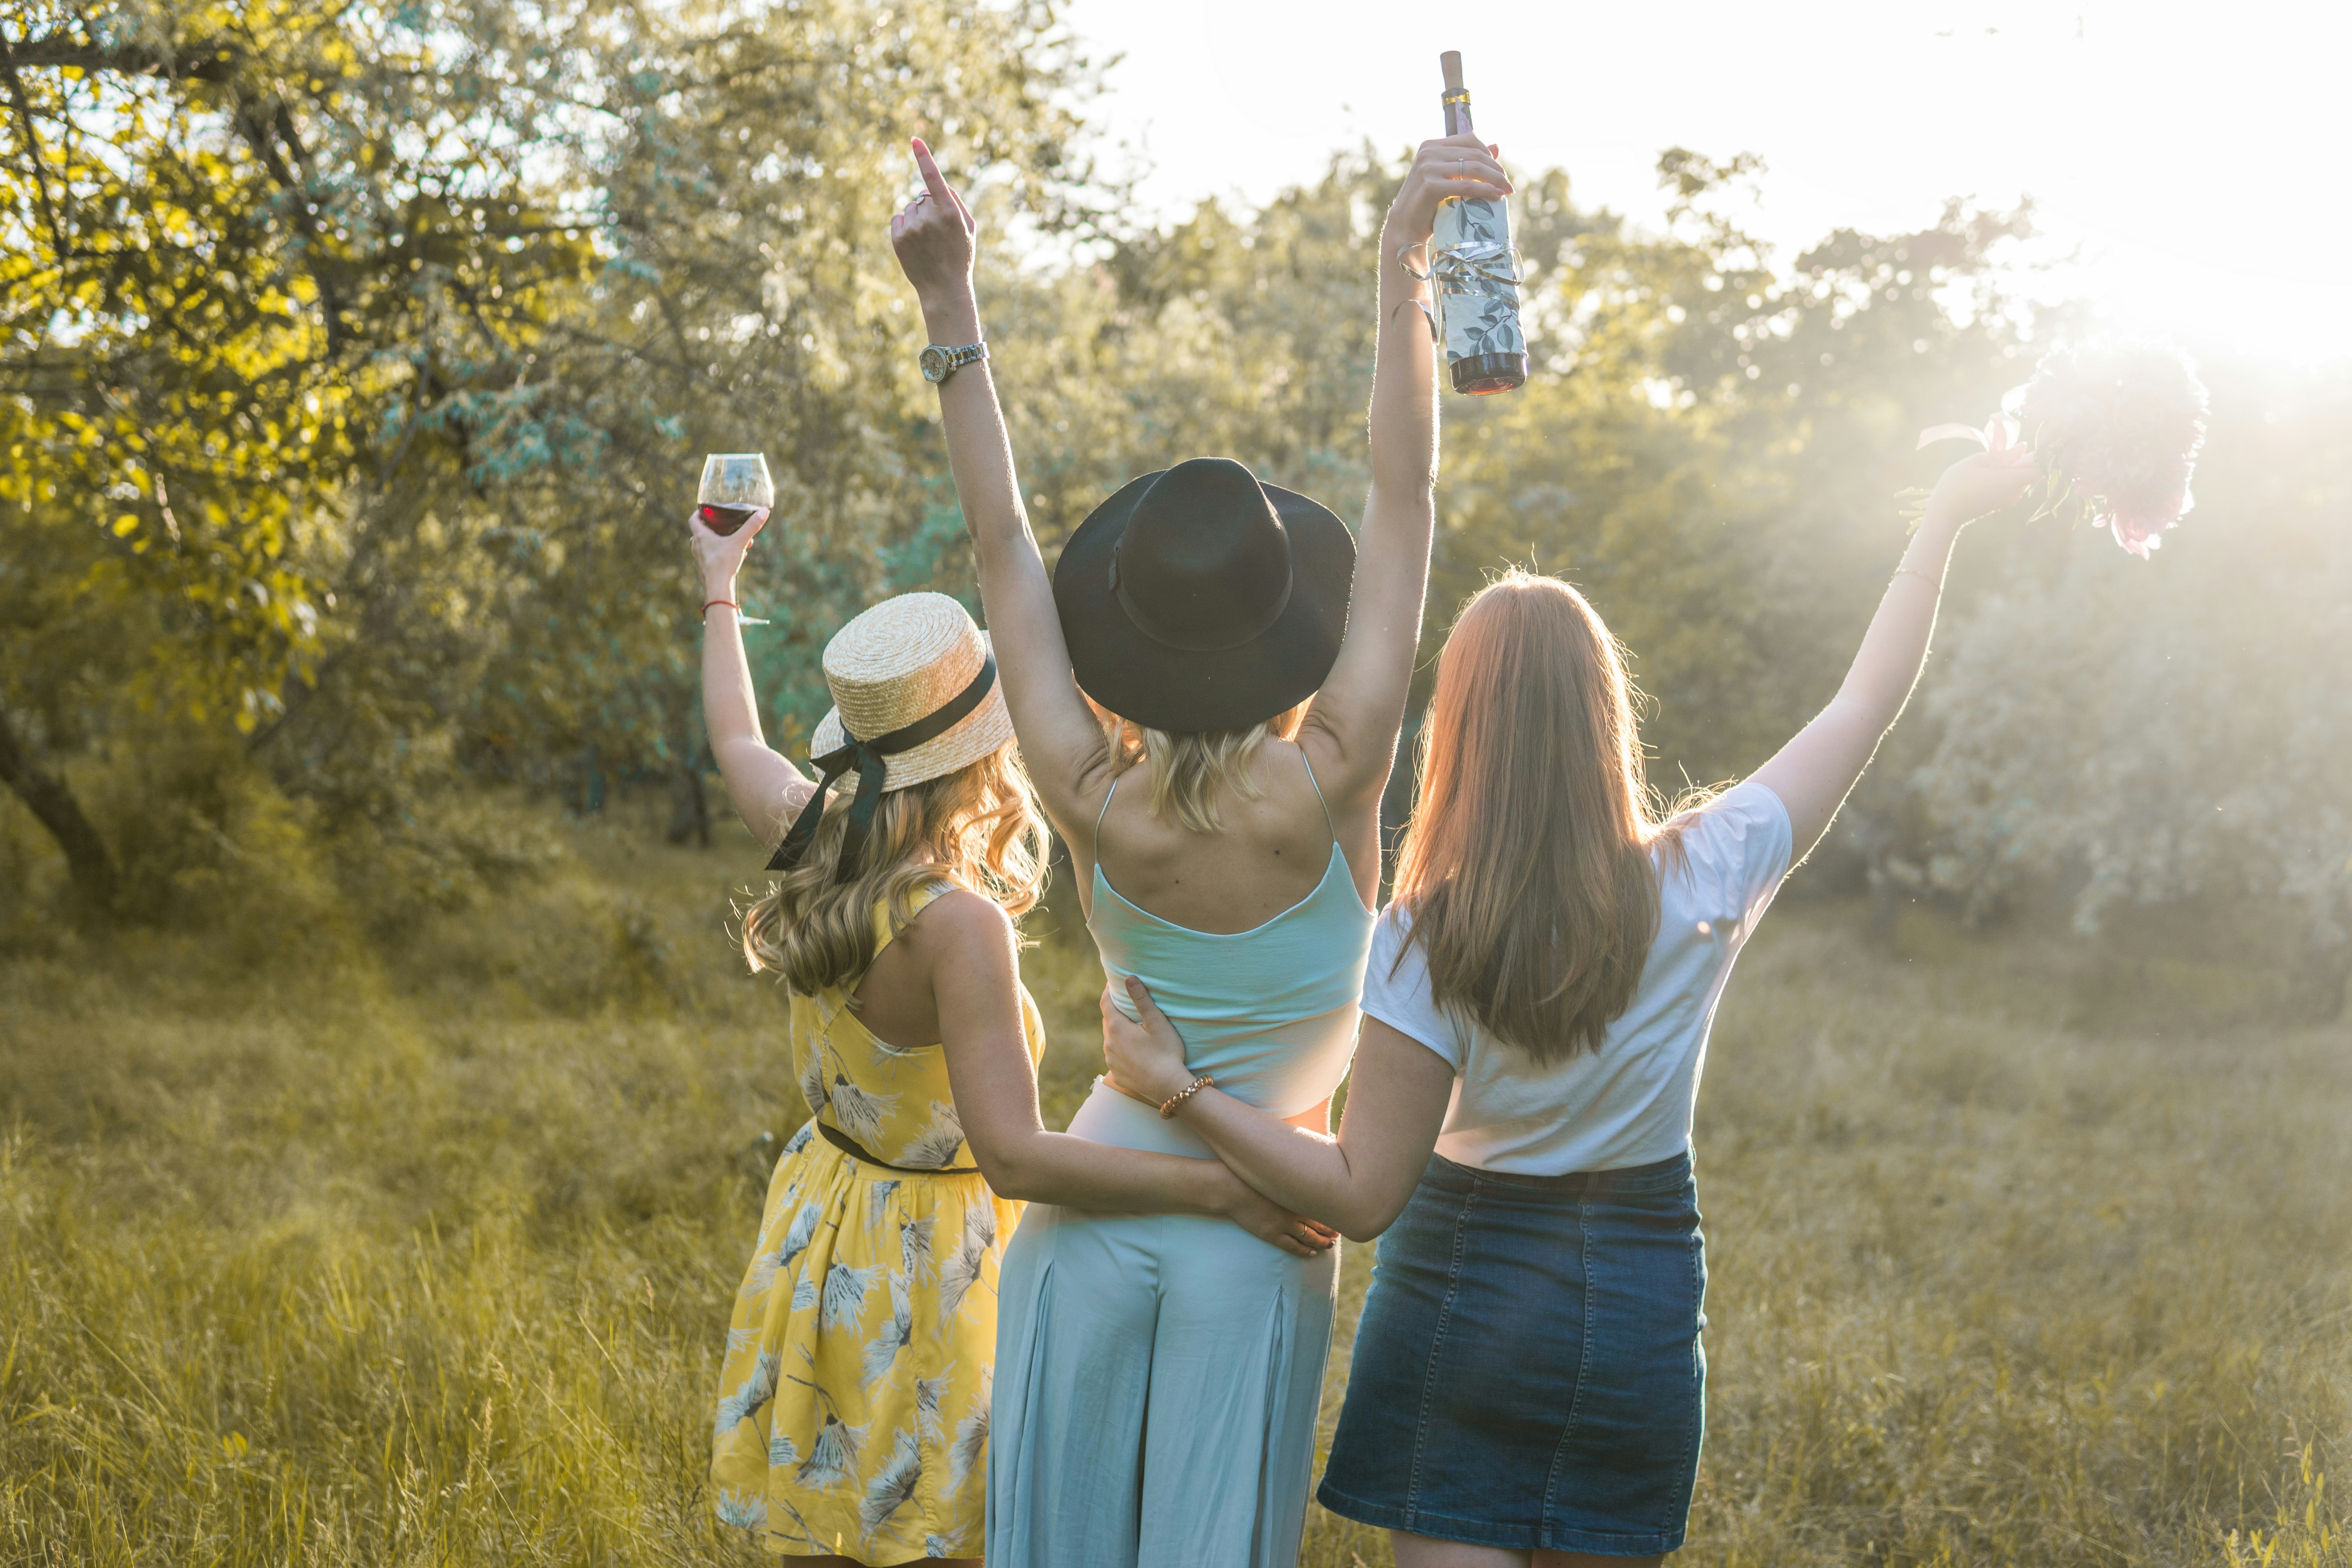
[(1527, 1381)]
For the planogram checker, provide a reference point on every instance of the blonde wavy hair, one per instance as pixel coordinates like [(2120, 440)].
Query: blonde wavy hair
[(979, 827), (1190, 771)]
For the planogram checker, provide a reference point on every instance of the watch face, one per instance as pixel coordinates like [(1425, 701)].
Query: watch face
[(935, 362)]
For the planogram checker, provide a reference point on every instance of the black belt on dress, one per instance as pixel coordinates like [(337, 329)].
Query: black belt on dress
[(848, 1145)]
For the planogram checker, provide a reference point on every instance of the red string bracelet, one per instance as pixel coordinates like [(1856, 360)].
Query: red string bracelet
[(729, 602)]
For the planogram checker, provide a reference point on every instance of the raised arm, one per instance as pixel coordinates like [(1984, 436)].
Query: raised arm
[(767, 790), (968, 945), (1357, 1182), (1350, 733), (1061, 745), (1813, 773)]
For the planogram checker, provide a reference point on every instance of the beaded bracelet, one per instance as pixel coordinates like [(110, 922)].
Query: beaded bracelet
[(1167, 1108)]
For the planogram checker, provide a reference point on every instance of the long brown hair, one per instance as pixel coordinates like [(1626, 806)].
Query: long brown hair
[(978, 826), (1527, 866)]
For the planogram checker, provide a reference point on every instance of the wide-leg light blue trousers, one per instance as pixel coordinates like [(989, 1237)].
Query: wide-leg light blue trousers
[(1157, 1383)]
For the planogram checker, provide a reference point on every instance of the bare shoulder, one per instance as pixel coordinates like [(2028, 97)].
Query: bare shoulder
[(960, 922), (1351, 760), (1073, 793)]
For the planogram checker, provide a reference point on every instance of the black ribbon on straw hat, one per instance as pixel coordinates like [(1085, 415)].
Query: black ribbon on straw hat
[(867, 760)]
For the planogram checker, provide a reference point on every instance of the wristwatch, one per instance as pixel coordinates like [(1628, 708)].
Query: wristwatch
[(939, 363)]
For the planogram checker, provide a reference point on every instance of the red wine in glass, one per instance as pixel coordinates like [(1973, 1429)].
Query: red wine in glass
[(735, 488), (726, 520)]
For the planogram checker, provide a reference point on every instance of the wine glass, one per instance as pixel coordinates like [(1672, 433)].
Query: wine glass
[(734, 485)]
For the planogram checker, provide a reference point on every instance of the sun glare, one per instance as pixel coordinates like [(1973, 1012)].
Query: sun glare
[(2170, 157)]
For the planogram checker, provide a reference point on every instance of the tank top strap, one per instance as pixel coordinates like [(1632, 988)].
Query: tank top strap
[(884, 932), (1098, 819), (1328, 823)]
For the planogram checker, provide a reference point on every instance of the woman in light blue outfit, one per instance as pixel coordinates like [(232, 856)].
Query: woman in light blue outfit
[(1207, 692), (1233, 1336)]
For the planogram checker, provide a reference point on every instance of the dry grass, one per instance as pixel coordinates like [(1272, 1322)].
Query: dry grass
[(427, 1259)]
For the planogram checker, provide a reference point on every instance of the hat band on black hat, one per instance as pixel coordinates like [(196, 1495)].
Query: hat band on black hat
[(1192, 641), (866, 758)]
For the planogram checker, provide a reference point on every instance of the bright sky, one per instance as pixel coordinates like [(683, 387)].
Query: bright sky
[(2189, 161)]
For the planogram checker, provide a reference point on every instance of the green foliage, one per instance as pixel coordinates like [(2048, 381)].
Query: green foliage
[(355, 367)]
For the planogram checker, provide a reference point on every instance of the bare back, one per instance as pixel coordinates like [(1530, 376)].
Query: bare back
[(1271, 853)]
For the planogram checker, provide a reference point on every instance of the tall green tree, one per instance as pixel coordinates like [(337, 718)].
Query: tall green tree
[(229, 228), (358, 363)]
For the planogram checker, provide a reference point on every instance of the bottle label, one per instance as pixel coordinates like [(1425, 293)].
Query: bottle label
[(1477, 279)]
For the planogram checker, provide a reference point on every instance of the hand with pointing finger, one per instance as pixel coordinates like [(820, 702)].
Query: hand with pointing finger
[(935, 237)]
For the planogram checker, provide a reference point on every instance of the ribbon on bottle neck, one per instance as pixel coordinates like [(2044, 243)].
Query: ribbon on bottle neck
[(868, 760)]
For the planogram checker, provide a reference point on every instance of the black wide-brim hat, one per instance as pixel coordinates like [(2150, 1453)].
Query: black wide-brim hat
[(1196, 599)]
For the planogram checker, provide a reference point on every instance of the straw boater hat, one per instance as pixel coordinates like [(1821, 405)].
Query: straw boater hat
[(915, 695), (1197, 599)]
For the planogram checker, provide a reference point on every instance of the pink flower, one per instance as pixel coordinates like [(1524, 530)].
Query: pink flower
[(2117, 426), (2121, 424)]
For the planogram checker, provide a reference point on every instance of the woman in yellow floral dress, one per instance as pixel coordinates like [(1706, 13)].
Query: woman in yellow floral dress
[(852, 1421)]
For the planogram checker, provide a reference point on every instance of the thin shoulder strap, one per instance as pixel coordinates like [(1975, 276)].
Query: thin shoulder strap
[(885, 934), (1103, 813), (1318, 798)]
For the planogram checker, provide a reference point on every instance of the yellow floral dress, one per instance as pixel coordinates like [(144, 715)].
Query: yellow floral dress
[(853, 1407)]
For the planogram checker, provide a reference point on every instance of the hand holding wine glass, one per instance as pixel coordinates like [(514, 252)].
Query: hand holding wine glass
[(719, 556), (730, 509)]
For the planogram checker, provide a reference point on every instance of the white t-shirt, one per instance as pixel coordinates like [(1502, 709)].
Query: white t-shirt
[(1628, 1103)]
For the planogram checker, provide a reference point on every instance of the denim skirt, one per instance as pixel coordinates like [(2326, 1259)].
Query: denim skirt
[(1528, 1371)]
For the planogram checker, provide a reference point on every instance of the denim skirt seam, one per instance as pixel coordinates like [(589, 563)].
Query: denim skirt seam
[(1482, 1533), (1583, 1368), (1695, 1416), (1436, 1348), (1659, 1178)]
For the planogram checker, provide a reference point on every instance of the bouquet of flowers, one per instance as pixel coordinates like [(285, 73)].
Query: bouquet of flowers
[(2115, 428)]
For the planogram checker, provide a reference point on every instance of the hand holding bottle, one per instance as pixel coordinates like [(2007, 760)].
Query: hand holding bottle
[(1442, 170)]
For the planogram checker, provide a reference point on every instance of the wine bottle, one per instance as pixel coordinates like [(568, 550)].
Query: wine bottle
[(1476, 272)]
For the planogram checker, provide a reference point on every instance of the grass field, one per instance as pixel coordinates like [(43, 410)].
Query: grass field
[(424, 1257)]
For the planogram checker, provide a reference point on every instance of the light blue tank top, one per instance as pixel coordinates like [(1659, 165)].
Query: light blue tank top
[(1270, 1013)]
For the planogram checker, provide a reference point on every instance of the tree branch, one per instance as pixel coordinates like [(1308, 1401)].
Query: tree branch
[(53, 805), (260, 133), (32, 146), (205, 61)]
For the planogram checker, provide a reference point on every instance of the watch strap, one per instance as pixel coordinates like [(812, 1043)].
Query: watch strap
[(942, 360)]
